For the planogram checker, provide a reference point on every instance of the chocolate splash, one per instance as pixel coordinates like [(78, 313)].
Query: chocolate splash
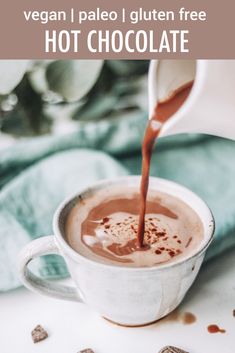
[(162, 113)]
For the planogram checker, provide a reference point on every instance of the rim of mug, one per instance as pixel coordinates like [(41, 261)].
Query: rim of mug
[(75, 255)]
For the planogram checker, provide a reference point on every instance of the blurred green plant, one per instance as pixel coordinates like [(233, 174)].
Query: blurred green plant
[(34, 94)]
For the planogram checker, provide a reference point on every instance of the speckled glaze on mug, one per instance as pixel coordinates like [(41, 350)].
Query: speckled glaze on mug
[(129, 296)]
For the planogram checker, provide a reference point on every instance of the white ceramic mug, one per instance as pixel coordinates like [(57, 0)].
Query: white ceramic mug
[(125, 295)]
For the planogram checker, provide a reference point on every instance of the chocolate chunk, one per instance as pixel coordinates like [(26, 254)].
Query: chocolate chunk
[(39, 334), (171, 349), (87, 350), (234, 312)]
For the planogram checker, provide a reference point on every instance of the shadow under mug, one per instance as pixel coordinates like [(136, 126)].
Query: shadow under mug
[(129, 296)]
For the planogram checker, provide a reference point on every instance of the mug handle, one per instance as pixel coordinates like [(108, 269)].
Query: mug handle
[(39, 247)]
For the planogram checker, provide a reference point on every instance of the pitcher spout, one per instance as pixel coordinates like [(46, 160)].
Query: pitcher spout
[(210, 106)]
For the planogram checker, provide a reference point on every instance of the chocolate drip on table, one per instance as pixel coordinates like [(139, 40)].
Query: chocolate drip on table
[(215, 329), (163, 111)]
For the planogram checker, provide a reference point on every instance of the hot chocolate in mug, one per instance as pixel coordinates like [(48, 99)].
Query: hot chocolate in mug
[(130, 296)]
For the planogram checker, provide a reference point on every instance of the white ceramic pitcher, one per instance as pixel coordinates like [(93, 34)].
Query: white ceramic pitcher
[(210, 107)]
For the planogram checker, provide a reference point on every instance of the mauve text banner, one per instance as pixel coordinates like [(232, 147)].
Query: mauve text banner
[(85, 29)]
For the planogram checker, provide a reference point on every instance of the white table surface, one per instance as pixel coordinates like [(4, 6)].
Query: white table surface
[(72, 326)]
